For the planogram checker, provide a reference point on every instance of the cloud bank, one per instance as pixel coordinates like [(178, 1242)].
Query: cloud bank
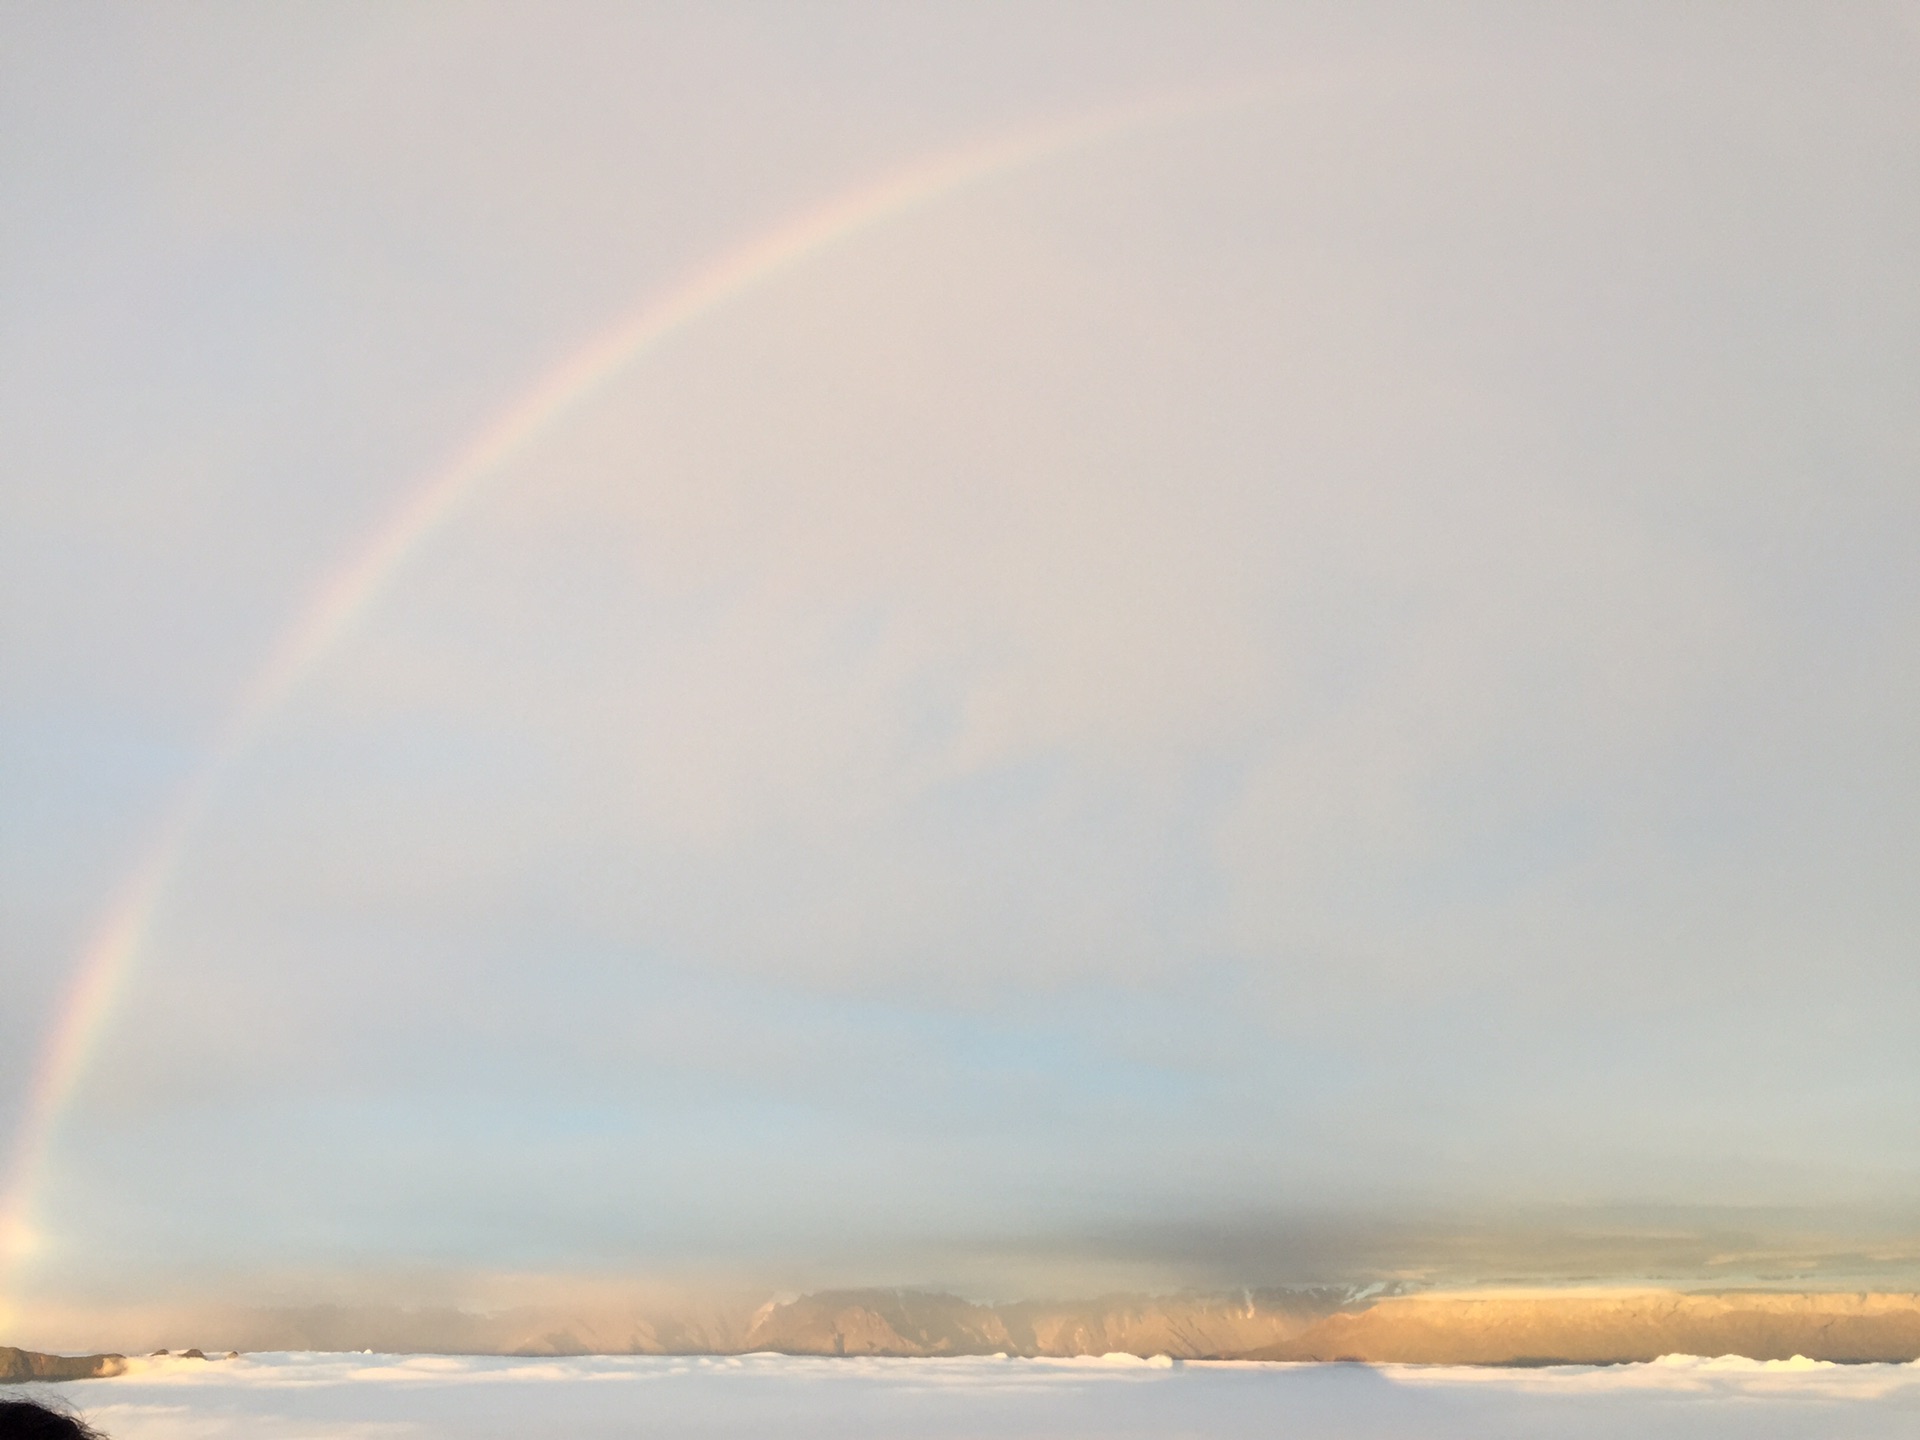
[(310, 1396)]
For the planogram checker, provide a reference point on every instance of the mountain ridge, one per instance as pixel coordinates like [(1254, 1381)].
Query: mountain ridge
[(1467, 1327)]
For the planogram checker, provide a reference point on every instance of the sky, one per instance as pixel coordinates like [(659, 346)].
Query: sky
[(1286, 647)]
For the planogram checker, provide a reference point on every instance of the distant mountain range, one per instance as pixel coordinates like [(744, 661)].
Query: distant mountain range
[(1468, 1327)]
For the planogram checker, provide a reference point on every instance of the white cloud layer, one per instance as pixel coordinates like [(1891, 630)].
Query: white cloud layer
[(310, 1397)]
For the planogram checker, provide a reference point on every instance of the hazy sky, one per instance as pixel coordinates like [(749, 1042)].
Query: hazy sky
[(1349, 650)]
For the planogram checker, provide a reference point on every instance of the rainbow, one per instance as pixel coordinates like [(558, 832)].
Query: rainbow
[(350, 591)]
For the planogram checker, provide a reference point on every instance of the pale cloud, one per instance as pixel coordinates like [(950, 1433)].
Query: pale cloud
[(305, 1395)]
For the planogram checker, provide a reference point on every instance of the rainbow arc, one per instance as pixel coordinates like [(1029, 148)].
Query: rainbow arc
[(353, 588)]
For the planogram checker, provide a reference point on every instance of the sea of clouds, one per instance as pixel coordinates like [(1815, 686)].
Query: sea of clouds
[(310, 1396)]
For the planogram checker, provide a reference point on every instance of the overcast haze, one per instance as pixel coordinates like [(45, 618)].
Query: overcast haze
[(1337, 666)]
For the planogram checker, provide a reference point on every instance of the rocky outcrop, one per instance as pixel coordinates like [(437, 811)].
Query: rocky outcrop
[(1607, 1328), (17, 1366)]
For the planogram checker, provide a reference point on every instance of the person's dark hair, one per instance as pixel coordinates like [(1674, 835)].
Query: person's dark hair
[(22, 1419)]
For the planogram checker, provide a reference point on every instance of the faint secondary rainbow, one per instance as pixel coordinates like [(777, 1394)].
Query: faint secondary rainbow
[(348, 593)]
